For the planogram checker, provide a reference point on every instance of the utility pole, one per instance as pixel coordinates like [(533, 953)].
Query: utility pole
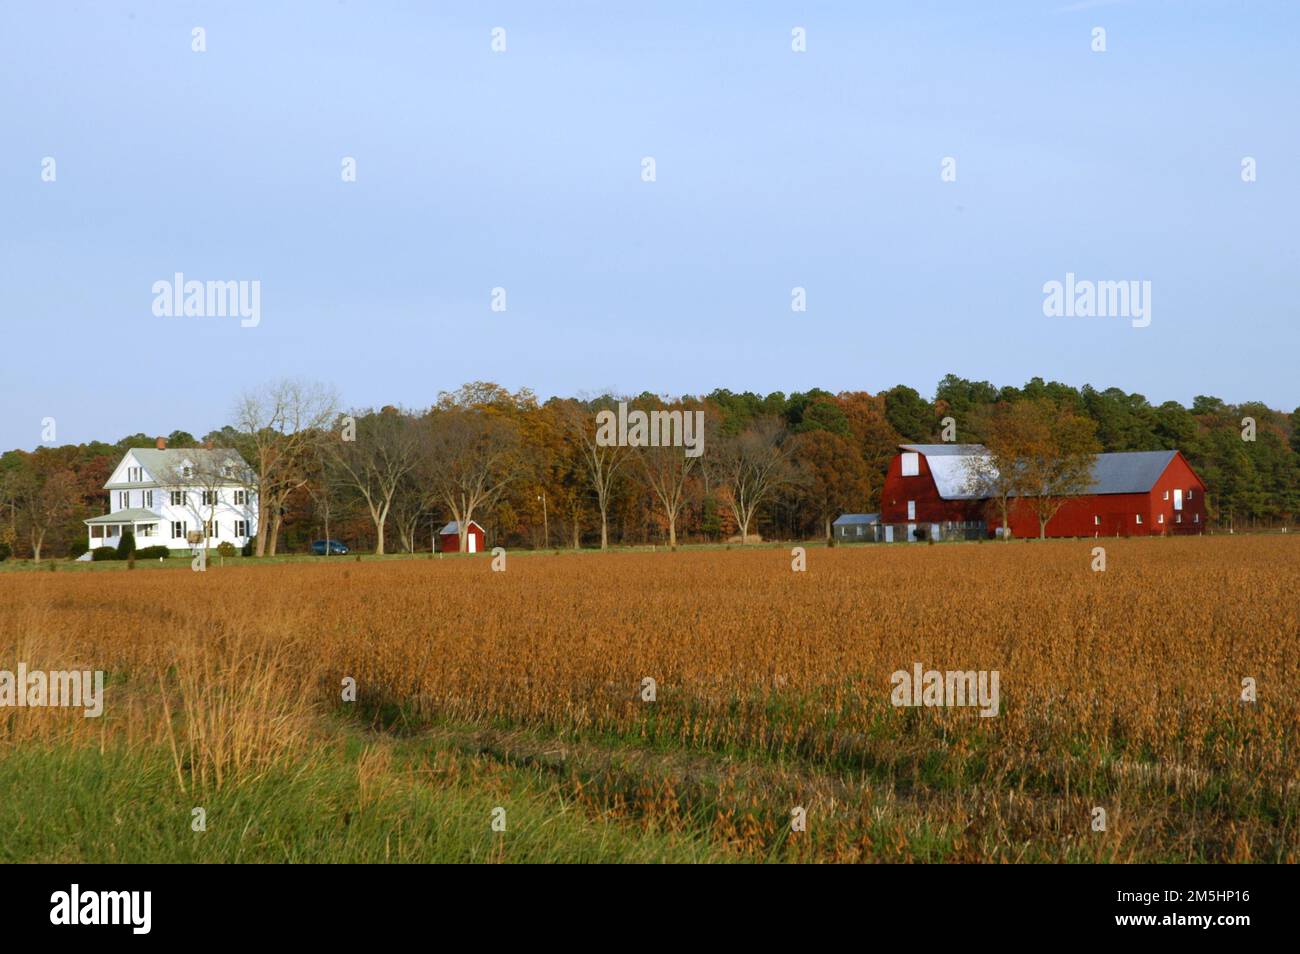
[(546, 526)]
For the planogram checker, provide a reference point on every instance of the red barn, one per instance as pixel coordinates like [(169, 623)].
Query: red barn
[(449, 538), (929, 492)]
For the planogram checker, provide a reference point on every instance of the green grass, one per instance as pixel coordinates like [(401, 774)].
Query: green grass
[(80, 805)]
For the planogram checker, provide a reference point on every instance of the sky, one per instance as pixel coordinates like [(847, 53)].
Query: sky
[(523, 170)]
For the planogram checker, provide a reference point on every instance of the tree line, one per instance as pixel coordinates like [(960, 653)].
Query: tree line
[(533, 472)]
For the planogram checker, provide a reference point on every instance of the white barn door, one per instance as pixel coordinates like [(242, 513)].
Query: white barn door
[(471, 542)]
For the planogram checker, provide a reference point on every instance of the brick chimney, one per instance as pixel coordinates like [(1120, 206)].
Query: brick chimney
[(161, 443)]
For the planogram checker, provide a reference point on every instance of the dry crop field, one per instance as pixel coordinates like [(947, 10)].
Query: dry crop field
[(525, 690)]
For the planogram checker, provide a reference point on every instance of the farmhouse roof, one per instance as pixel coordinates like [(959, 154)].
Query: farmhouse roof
[(164, 466)]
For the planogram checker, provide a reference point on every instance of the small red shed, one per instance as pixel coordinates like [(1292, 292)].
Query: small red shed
[(449, 538)]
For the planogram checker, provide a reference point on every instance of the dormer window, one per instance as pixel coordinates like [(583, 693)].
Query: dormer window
[(187, 469), (134, 475)]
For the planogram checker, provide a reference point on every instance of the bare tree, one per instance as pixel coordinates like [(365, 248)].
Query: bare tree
[(410, 506), (750, 466), (469, 458), (602, 463), (47, 500), (667, 470), (374, 464), (280, 423)]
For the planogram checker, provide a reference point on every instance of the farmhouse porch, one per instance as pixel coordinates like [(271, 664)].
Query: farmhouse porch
[(106, 531)]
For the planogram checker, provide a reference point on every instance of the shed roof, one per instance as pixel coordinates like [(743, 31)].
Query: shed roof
[(849, 519), (454, 527)]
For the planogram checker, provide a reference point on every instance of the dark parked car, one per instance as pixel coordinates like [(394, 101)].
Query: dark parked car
[(319, 546)]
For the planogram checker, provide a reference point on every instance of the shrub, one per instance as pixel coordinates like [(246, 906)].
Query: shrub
[(6, 551), (126, 546), (250, 547), (103, 553), (78, 548), (226, 549), (153, 553)]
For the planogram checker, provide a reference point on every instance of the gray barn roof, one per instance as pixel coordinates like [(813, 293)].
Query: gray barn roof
[(1131, 472)]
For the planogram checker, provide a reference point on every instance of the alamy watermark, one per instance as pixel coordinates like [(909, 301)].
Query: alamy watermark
[(950, 688), (58, 688), (651, 429), (1088, 299), (213, 299)]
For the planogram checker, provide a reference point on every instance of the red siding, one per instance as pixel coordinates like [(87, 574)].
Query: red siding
[(450, 542), (930, 507), (1101, 515)]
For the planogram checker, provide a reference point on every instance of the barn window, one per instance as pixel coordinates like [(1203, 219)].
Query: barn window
[(1096, 521), (1189, 493), (1139, 516), (859, 529), (1178, 518), (911, 510), (911, 464), (1166, 495), (1196, 518), (1160, 519)]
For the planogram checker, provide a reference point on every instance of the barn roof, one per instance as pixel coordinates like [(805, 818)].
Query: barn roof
[(946, 450), (849, 519), (1131, 472), (1127, 472), (950, 465)]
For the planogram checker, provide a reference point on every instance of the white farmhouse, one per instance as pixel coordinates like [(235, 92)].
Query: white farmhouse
[(178, 498)]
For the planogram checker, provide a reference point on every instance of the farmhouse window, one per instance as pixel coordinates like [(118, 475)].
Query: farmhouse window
[(911, 464), (123, 499), (911, 510), (178, 528), (210, 528), (148, 498), (241, 498), (209, 498), (178, 498), (241, 528)]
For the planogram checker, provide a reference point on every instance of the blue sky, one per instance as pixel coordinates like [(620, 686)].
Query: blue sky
[(522, 170)]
